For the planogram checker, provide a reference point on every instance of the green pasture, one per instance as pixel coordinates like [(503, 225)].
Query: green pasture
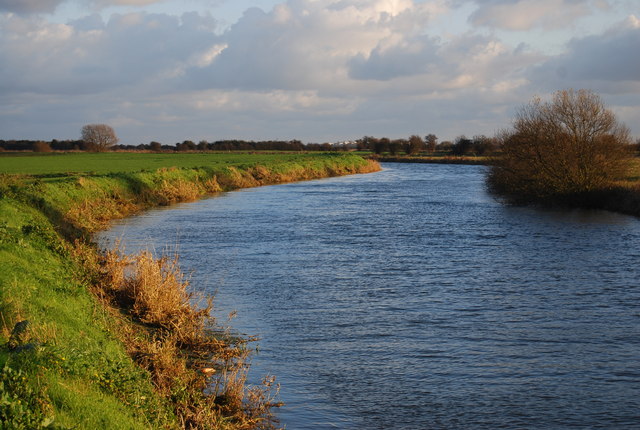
[(124, 162)]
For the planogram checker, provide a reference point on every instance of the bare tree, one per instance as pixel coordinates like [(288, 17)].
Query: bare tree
[(431, 141), (99, 137), (415, 145), (564, 147)]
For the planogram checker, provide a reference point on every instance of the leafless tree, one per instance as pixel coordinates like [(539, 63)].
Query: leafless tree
[(415, 145), (99, 137), (572, 144), (431, 141)]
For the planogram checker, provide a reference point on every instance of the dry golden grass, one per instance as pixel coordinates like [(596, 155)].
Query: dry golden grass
[(166, 329), (171, 192), (212, 186), (93, 215), (236, 178)]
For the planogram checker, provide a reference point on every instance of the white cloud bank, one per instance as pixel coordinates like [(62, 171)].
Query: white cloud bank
[(309, 69)]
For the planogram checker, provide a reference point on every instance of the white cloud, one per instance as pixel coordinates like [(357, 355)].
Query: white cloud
[(301, 44), (90, 56), (305, 68)]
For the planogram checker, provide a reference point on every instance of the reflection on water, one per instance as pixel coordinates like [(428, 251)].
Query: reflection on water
[(411, 299)]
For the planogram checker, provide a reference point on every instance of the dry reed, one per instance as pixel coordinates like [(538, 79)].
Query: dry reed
[(168, 330)]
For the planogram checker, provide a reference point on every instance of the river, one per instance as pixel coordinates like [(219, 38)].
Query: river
[(411, 299)]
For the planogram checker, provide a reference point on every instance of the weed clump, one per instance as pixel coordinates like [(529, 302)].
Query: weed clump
[(172, 336), (22, 407)]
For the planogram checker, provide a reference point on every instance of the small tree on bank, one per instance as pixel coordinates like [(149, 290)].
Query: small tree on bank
[(431, 141), (563, 148), (415, 145), (99, 137)]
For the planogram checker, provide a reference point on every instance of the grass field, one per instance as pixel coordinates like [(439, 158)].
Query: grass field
[(120, 162)]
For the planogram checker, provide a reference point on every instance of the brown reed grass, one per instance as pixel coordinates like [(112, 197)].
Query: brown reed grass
[(168, 330), (170, 192)]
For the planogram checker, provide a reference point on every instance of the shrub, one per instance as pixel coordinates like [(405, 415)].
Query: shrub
[(41, 147), (564, 148), (463, 146), (201, 369)]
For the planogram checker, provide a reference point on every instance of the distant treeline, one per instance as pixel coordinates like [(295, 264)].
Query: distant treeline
[(42, 146), (187, 145), (477, 145)]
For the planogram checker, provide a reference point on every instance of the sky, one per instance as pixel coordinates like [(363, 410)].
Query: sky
[(314, 70)]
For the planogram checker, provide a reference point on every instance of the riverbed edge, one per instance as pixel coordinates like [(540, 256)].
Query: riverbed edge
[(69, 366), (621, 197)]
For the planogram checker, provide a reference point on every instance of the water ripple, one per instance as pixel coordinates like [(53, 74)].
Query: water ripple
[(410, 299)]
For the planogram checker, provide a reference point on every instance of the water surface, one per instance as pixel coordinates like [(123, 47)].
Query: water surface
[(409, 299)]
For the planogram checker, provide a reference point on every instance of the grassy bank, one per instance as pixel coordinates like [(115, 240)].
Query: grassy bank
[(99, 340), (622, 196)]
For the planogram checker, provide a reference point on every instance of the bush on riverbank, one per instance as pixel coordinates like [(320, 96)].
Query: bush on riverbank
[(99, 340), (567, 150)]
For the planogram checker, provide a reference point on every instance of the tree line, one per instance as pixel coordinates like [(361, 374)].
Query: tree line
[(478, 145), (102, 137), (187, 145)]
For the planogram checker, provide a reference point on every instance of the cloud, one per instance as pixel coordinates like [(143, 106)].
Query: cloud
[(127, 2), (607, 62), (522, 15), (309, 69), (102, 4), (339, 60), (338, 47), (90, 56), (49, 6), (29, 6), (305, 44), (390, 60)]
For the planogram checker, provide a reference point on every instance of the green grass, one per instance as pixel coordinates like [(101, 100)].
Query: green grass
[(119, 162), (74, 353), (633, 175)]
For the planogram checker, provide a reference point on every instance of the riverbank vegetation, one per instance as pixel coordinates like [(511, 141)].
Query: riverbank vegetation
[(568, 151), (95, 339)]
